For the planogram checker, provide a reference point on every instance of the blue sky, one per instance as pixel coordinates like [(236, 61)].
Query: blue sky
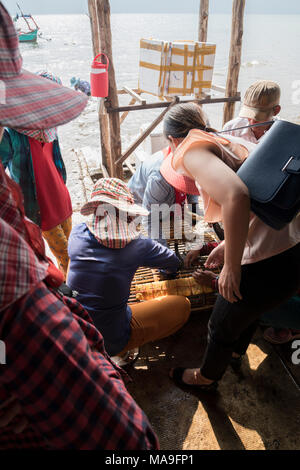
[(153, 6)]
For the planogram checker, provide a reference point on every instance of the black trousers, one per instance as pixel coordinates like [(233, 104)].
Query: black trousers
[(264, 285)]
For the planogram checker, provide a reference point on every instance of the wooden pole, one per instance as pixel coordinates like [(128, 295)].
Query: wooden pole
[(165, 104), (147, 132), (102, 114), (238, 8), (203, 20), (103, 10), (94, 26)]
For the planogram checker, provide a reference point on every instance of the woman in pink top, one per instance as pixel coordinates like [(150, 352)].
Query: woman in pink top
[(261, 266)]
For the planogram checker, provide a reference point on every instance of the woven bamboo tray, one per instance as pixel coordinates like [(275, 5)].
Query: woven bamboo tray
[(199, 302)]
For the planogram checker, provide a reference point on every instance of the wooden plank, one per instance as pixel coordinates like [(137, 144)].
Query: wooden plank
[(134, 95), (203, 20), (165, 104), (130, 168), (219, 88), (125, 114), (123, 92), (103, 10), (238, 8), (145, 134)]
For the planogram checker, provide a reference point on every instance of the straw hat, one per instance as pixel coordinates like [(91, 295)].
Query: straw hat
[(180, 182), (115, 192), (259, 100), (28, 101)]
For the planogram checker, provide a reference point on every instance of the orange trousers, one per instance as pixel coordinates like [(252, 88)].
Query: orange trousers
[(156, 319), (57, 239)]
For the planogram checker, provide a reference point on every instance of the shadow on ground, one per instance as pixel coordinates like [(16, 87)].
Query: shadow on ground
[(256, 408)]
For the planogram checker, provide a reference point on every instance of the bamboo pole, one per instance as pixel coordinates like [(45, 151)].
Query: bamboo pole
[(103, 10), (238, 8), (203, 20)]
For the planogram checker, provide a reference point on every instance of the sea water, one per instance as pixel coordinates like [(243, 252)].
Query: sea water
[(271, 50)]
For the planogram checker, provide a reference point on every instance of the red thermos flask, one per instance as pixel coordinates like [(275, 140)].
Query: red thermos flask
[(99, 76)]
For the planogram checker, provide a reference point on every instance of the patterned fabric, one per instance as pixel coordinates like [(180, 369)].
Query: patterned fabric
[(12, 213), (57, 239), (70, 392), (56, 364), (10, 57), (111, 228), (30, 102), (16, 156), (110, 190), (112, 231), (20, 268), (46, 135)]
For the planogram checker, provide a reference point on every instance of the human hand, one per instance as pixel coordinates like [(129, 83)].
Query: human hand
[(229, 283), (190, 258), (216, 257), (204, 278), (11, 409)]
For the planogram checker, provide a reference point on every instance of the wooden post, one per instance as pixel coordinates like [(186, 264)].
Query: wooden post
[(114, 138), (203, 20), (235, 54), (94, 26), (102, 114)]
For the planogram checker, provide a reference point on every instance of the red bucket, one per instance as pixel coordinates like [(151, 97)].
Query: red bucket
[(99, 77)]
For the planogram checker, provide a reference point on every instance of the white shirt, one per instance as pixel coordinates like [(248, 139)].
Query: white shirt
[(246, 134)]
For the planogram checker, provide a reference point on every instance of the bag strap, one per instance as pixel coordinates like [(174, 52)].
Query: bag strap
[(246, 127)]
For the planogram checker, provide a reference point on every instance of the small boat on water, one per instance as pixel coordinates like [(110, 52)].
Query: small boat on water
[(30, 34)]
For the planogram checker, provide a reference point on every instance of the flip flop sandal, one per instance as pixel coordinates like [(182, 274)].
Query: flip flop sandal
[(177, 378)]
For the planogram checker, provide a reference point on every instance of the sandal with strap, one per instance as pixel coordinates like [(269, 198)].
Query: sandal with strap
[(177, 375)]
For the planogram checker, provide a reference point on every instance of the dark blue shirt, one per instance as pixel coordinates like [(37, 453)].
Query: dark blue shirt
[(102, 276)]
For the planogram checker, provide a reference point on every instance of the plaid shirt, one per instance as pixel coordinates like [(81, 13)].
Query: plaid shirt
[(56, 364), (16, 155)]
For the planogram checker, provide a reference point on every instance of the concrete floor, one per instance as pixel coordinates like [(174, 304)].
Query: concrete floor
[(255, 409)]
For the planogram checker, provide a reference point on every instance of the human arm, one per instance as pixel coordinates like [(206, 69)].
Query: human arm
[(222, 184), (158, 256), (193, 255)]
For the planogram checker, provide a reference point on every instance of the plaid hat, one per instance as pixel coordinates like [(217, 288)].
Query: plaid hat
[(180, 182), (44, 135), (259, 100), (26, 100), (115, 192)]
